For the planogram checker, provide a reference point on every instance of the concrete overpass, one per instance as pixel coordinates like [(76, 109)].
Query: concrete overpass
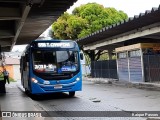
[(22, 21), (144, 27)]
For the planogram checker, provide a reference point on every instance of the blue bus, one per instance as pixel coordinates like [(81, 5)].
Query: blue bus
[(49, 66)]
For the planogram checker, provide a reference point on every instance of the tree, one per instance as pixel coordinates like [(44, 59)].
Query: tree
[(68, 26), (97, 17), (85, 20)]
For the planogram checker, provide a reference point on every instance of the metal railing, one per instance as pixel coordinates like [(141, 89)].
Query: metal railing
[(151, 68), (104, 69)]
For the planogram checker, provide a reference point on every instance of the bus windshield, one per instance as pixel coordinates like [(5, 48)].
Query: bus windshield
[(55, 61)]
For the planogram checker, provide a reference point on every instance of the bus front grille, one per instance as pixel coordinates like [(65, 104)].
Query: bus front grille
[(56, 77), (51, 88)]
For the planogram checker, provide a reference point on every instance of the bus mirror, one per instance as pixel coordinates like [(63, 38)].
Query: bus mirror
[(81, 56)]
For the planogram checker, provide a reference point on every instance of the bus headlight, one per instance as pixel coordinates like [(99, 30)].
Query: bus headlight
[(46, 82), (77, 79), (34, 80)]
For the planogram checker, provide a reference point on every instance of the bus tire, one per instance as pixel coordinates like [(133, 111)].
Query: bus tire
[(71, 94), (27, 91)]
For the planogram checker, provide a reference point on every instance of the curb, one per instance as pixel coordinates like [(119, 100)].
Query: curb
[(149, 86)]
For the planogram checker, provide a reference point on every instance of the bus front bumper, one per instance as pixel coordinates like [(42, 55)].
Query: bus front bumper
[(43, 88)]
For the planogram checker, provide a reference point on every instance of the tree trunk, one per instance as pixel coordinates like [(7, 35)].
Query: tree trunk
[(91, 54)]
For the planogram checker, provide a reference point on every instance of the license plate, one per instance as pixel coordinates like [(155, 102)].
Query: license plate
[(58, 86)]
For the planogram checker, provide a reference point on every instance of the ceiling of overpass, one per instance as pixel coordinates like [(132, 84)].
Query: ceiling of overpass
[(22, 21)]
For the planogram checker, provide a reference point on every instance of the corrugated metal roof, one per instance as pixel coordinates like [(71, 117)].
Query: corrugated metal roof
[(132, 23)]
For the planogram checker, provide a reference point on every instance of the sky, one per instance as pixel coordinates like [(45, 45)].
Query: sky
[(131, 7)]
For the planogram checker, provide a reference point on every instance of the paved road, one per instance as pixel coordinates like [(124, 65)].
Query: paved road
[(94, 97)]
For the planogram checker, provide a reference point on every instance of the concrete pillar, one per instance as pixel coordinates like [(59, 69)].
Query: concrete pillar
[(92, 55), (110, 54)]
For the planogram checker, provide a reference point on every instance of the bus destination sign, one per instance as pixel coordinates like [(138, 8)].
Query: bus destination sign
[(56, 45)]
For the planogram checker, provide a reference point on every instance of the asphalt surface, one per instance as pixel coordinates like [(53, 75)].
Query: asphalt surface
[(93, 103)]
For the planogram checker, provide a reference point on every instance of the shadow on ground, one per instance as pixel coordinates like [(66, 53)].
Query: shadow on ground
[(50, 96)]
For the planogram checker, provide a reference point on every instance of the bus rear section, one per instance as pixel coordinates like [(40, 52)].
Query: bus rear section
[(53, 69)]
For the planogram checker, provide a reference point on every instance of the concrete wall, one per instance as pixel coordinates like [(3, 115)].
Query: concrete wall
[(13, 70), (9, 68), (16, 75)]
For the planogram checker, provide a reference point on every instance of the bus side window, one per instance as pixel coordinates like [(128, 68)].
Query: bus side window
[(21, 64), (24, 63), (25, 60), (26, 57)]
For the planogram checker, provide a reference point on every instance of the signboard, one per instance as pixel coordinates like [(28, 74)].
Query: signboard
[(155, 46), (56, 45)]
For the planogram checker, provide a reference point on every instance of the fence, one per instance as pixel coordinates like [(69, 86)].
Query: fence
[(151, 68), (130, 69), (104, 69)]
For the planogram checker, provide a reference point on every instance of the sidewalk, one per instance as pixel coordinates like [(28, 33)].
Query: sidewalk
[(14, 99), (140, 85)]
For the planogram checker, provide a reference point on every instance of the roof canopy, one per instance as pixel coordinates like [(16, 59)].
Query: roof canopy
[(141, 28)]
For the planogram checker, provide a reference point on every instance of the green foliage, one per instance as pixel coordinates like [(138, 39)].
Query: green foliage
[(84, 33), (104, 57), (87, 58), (59, 27), (68, 26), (85, 20)]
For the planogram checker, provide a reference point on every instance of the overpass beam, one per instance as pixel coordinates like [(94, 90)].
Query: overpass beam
[(6, 34), (9, 14), (20, 24), (5, 42)]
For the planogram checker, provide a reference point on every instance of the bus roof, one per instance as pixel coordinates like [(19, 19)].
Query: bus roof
[(52, 40)]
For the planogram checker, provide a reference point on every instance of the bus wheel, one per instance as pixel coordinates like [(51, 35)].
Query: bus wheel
[(71, 94), (27, 91)]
